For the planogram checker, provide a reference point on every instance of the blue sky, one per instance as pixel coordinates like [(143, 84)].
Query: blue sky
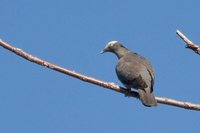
[(71, 33)]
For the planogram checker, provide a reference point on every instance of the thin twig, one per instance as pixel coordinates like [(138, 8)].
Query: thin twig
[(189, 44), (101, 83)]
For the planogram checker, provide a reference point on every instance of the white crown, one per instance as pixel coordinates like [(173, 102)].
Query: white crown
[(112, 42)]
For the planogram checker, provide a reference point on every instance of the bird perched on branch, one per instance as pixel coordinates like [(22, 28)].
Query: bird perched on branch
[(134, 71)]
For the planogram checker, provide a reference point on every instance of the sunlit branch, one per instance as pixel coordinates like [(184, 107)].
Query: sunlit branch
[(189, 44)]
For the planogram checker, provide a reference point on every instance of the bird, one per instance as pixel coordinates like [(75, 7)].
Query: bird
[(134, 71)]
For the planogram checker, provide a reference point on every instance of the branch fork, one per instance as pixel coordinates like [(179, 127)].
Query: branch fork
[(189, 44)]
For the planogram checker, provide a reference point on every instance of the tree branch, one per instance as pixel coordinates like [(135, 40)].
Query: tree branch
[(189, 44), (101, 83)]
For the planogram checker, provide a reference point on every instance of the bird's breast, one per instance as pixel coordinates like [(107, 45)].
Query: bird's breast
[(127, 73)]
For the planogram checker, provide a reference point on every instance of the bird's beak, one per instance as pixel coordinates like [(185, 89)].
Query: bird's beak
[(102, 51)]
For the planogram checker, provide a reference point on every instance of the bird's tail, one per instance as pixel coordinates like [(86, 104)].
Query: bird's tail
[(147, 97)]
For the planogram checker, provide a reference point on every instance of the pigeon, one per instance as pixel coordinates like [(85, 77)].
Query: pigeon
[(134, 71)]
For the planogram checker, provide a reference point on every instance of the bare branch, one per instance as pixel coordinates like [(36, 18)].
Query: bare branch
[(189, 44), (101, 83)]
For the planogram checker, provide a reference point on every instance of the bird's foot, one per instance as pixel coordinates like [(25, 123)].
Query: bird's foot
[(128, 93)]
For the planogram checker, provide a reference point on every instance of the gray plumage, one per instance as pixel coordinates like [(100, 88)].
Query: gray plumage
[(134, 71)]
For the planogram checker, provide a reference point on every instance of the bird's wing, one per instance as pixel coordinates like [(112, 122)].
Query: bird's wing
[(143, 63), (130, 73), (148, 66)]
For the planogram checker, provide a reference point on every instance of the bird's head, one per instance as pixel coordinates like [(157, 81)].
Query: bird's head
[(113, 46)]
